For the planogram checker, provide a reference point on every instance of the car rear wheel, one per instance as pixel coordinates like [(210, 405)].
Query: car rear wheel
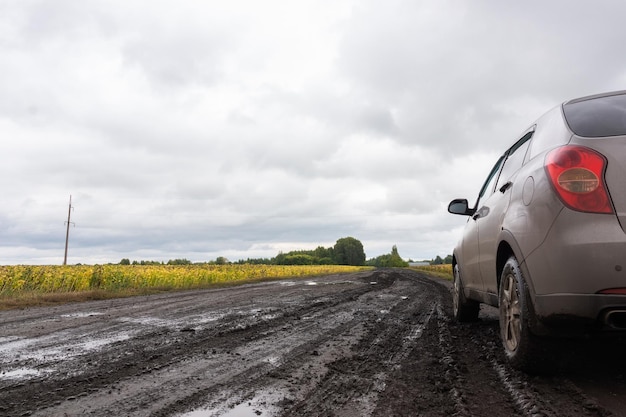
[(463, 309), (524, 350)]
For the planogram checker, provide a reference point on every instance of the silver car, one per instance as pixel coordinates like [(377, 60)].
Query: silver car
[(546, 239)]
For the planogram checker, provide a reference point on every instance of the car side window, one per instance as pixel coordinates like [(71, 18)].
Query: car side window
[(515, 159), (490, 182)]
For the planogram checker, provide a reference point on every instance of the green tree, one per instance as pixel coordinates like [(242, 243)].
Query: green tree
[(125, 261), (220, 260), (254, 261), (390, 260), (323, 253), (396, 260), (299, 259), (437, 261), (349, 251), (279, 259), (179, 262)]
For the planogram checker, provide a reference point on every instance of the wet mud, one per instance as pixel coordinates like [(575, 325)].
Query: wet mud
[(376, 343)]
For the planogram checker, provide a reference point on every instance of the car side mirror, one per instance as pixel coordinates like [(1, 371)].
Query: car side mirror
[(460, 206)]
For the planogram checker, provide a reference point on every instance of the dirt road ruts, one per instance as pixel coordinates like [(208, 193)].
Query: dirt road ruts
[(376, 343)]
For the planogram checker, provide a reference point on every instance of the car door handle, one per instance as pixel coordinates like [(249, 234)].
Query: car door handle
[(506, 187), (482, 212)]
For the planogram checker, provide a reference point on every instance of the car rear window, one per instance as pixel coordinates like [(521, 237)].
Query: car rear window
[(597, 117)]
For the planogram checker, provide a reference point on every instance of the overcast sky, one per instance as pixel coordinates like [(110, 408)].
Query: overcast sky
[(241, 128)]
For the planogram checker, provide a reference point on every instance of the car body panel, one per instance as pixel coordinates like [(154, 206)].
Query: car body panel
[(471, 276), (579, 260), (490, 226)]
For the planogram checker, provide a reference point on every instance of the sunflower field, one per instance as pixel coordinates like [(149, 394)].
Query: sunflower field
[(442, 271), (21, 279)]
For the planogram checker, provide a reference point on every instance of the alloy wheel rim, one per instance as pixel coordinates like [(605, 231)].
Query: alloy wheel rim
[(510, 317)]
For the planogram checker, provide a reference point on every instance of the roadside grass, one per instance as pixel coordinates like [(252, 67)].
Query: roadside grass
[(38, 299), (27, 286), (441, 271), (34, 299)]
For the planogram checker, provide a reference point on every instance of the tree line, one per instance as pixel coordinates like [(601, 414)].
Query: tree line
[(346, 251), (439, 261)]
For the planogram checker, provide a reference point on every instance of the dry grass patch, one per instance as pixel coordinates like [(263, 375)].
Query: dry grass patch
[(441, 271)]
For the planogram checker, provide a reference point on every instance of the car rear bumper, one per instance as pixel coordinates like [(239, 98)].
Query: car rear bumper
[(581, 255), (578, 314)]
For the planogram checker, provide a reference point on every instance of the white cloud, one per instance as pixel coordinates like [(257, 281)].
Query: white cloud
[(200, 129)]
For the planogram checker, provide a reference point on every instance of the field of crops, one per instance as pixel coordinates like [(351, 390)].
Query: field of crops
[(22, 280), (442, 271)]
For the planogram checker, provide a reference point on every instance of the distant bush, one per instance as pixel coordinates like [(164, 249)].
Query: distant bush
[(391, 260)]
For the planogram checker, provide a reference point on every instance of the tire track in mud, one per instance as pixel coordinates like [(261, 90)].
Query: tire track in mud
[(452, 373), (454, 365), (353, 385), (528, 395), (284, 359), (510, 393), (439, 373), (303, 375)]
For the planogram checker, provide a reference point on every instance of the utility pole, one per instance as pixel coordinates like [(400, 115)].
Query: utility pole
[(67, 233)]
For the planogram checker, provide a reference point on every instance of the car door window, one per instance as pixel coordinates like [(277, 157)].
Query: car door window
[(490, 182), (514, 159)]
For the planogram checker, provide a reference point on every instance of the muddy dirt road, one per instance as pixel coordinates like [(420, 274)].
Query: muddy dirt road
[(377, 343)]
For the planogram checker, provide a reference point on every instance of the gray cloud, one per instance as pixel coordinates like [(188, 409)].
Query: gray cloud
[(238, 129), (452, 69)]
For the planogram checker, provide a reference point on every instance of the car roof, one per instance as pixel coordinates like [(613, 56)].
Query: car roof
[(594, 96)]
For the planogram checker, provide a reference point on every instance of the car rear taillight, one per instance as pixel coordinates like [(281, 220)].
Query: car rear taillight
[(577, 174), (613, 291)]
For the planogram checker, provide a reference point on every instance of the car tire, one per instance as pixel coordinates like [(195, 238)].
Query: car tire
[(463, 310), (524, 350)]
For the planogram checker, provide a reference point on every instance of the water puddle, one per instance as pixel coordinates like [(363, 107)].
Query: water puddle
[(273, 360), (28, 349), (98, 343), (174, 324), (241, 410), (10, 345), (23, 373), (81, 315), (312, 283), (261, 405)]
